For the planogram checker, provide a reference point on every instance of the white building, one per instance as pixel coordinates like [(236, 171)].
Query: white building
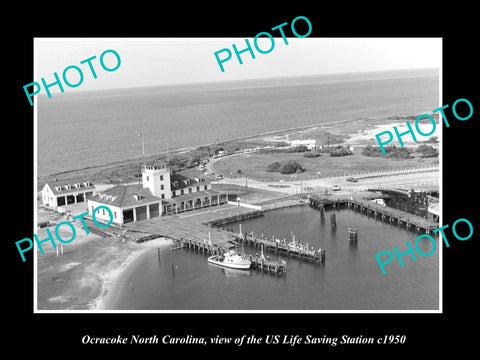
[(127, 203), (56, 194), (156, 177), (161, 192), (309, 143)]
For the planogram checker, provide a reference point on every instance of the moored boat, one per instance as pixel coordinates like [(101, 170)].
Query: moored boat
[(230, 260)]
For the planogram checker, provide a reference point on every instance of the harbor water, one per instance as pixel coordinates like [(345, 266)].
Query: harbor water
[(350, 279)]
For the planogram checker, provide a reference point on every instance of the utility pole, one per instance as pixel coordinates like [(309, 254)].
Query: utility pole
[(246, 179)]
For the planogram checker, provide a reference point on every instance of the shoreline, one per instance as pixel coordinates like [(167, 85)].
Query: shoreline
[(114, 276), (102, 170), (180, 150)]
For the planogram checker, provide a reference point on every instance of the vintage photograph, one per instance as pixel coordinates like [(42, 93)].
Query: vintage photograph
[(170, 179)]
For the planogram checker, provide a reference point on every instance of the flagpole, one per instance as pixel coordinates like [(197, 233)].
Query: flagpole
[(143, 146)]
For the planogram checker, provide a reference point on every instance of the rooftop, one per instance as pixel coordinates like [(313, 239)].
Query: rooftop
[(125, 195), (59, 187), (178, 181)]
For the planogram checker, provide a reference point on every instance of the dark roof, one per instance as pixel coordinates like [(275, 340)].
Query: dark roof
[(125, 195), (54, 184), (178, 181), (196, 195)]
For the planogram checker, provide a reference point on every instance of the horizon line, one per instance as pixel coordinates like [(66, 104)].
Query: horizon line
[(83, 91)]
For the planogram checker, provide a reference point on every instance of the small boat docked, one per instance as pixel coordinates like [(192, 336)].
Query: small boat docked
[(230, 260)]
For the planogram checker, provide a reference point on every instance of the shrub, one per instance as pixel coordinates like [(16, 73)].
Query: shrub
[(390, 152), (340, 151), (398, 153), (299, 148), (273, 167), (311, 154), (427, 151), (289, 167)]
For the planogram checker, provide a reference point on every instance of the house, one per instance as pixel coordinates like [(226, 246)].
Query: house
[(56, 193), (309, 143), (181, 185)]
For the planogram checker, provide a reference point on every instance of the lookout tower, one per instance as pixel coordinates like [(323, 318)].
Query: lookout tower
[(156, 177)]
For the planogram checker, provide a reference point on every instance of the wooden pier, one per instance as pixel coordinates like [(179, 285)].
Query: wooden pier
[(394, 216), (182, 230), (264, 264), (202, 239), (259, 262), (292, 249)]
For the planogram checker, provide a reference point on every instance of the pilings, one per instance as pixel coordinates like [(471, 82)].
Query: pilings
[(292, 249), (353, 234), (393, 216), (258, 262), (333, 220)]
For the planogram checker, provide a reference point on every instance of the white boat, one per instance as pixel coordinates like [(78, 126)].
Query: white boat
[(230, 260)]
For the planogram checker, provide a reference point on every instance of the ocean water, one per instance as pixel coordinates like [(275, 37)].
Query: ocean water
[(350, 279), (82, 129)]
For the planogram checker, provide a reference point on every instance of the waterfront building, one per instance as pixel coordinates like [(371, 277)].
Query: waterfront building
[(309, 143), (161, 192), (57, 194), (127, 203)]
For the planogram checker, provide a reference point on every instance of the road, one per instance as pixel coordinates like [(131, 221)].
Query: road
[(404, 181)]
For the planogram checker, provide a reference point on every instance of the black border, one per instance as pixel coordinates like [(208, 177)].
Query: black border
[(426, 333)]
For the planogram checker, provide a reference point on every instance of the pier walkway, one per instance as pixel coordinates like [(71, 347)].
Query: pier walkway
[(182, 230), (371, 208), (291, 249)]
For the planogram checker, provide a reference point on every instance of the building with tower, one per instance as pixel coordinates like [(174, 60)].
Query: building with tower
[(160, 193), (156, 177)]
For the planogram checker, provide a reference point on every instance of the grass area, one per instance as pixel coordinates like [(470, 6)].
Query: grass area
[(255, 164)]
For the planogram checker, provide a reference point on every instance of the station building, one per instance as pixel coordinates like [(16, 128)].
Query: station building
[(127, 203), (56, 194), (160, 193)]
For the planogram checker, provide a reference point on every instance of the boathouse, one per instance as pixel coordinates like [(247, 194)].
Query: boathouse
[(128, 203), (56, 194)]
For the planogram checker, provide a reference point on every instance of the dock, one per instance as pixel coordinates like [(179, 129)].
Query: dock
[(394, 216), (264, 264), (202, 238), (293, 249), (259, 262), (183, 231)]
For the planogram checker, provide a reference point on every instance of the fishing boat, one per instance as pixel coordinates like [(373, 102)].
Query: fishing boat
[(230, 260)]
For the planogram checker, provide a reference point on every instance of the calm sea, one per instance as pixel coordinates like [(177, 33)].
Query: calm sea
[(82, 129), (350, 279)]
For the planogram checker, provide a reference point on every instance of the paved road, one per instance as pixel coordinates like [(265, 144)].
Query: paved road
[(294, 187)]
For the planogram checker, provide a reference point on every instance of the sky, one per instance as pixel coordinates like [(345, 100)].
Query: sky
[(165, 61)]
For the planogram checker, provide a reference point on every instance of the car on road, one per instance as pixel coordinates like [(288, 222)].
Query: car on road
[(336, 188), (352, 179)]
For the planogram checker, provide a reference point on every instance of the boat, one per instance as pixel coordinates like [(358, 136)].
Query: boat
[(230, 260)]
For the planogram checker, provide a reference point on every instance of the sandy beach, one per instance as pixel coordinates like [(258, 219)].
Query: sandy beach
[(112, 276), (81, 277)]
